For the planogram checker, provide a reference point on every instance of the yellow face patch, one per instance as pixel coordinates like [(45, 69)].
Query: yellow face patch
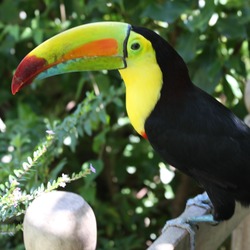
[(143, 80)]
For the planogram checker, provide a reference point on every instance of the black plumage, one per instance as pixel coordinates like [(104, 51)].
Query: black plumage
[(198, 135)]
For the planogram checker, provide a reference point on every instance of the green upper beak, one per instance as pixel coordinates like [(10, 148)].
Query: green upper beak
[(96, 46)]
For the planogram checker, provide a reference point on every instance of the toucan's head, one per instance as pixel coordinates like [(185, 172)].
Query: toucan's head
[(136, 52)]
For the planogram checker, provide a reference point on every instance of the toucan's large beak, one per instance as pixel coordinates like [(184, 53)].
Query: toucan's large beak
[(95, 46)]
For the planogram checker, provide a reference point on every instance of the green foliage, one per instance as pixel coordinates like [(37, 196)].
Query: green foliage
[(130, 192)]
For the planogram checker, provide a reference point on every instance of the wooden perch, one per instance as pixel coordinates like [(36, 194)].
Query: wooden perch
[(240, 237), (207, 237)]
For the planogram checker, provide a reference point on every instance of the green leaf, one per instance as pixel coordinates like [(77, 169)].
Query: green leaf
[(8, 11), (27, 33), (187, 46), (167, 12), (207, 76), (87, 127), (30, 161), (13, 30), (100, 140), (38, 36), (199, 19), (232, 27), (58, 168), (18, 172), (103, 116)]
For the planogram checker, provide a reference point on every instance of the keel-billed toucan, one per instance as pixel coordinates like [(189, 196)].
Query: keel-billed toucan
[(188, 128)]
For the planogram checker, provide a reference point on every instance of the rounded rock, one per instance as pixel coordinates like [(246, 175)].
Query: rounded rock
[(60, 221)]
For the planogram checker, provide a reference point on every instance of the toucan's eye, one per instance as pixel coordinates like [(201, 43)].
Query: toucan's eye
[(135, 46)]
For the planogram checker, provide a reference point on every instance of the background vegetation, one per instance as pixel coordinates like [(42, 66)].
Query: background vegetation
[(131, 192)]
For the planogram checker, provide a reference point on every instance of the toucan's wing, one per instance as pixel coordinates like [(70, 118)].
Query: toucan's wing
[(201, 137)]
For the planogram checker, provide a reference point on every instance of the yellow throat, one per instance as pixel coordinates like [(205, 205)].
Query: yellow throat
[(143, 80)]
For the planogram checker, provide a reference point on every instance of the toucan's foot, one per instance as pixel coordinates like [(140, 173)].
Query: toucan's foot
[(201, 219), (183, 223), (201, 200), (189, 224)]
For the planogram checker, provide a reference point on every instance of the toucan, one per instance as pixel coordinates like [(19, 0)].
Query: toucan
[(189, 129)]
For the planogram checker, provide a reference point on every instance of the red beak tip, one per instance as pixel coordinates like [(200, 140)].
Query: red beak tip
[(15, 86), (26, 71), (14, 92)]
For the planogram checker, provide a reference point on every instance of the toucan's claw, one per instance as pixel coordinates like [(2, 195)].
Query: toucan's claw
[(208, 218), (201, 200)]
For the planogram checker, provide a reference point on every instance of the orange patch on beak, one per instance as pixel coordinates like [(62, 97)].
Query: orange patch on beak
[(104, 47)]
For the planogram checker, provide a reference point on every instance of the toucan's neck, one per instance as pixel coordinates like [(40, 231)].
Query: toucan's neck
[(176, 78), (143, 89), (156, 77)]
